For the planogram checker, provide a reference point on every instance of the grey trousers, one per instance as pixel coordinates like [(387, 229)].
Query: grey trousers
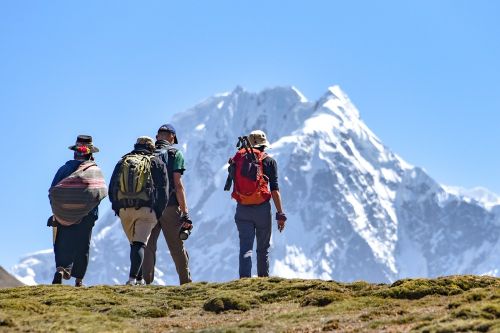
[(254, 221), (170, 225)]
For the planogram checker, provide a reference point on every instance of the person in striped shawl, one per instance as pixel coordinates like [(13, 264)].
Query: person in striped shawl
[(75, 193)]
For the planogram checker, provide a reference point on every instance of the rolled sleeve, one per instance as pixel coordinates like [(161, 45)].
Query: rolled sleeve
[(179, 165)]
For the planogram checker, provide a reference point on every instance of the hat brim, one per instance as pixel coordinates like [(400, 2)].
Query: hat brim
[(93, 149), (263, 144)]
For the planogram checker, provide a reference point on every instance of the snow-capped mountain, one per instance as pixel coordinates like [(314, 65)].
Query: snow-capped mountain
[(355, 209), (480, 195)]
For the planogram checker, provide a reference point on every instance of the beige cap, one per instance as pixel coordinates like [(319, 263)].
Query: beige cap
[(145, 140), (258, 139)]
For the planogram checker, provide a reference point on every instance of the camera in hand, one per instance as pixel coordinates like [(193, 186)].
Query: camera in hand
[(184, 233)]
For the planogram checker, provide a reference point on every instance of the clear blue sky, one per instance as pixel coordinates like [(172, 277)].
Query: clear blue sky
[(424, 74)]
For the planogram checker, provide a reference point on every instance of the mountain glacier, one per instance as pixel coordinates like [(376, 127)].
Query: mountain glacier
[(356, 210)]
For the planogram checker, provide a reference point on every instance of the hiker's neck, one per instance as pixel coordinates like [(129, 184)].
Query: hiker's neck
[(83, 158), (163, 142)]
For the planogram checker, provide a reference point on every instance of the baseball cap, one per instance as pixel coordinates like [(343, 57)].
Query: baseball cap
[(168, 128)]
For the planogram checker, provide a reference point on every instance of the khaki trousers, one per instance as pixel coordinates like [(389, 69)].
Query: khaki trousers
[(170, 225), (137, 223)]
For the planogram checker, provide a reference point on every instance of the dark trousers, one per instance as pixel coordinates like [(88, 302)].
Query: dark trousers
[(71, 247), (254, 222)]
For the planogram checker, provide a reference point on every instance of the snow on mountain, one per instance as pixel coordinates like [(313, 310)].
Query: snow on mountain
[(356, 210), (480, 195)]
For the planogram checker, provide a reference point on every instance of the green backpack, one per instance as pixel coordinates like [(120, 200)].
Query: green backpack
[(135, 182)]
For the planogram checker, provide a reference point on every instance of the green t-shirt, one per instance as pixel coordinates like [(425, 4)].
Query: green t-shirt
[(178, 165)]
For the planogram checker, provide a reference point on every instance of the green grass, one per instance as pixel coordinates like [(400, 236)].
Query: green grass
[(449, 304)]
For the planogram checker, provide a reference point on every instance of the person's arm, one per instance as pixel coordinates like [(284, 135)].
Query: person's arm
[(181, 198), (62, 173), (180, 192), (271, 171), (280, 215), (178, 170), (113, 187), (277, 201)]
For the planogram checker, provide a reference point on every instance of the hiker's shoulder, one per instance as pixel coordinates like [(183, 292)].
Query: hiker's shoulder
[(73, 163), (268, 159), (157, 162), (70, 166), (65, 170), (166, 150), (178, 162), (176, 152)]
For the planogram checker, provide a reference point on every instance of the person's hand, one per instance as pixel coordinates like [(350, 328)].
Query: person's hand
[(281, 225), (186, 222), (281, 218), (51, 222)]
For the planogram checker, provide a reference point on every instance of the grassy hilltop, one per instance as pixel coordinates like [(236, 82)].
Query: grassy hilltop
[(450, 304)]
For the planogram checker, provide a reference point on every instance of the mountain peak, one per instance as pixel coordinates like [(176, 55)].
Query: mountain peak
[(334, 92), (336, 100), (238, 90), (303, 99), (482, 195), (7, 280), (357, 210)]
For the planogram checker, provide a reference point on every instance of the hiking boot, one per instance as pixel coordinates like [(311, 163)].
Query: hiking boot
[(130, 283), (140, 282), (58, 276), (79, 283), (66, 274)]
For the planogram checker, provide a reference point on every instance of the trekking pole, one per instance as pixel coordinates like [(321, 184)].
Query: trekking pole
[(230, 176), (248, 144), (245, 144), (230, 169)]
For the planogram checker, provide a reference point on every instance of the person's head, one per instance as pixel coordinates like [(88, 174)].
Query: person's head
[(145, 143), (84, 148), (167, 132), (258, 140)]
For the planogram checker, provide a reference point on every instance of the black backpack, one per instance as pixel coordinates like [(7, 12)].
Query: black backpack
[(167, 155)]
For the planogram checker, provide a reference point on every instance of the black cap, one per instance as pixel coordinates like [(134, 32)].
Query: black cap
[(168, 128)]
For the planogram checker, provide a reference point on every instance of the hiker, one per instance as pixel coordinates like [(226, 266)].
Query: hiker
[(75, 193), (255, 178), (174, 222), (138, 192)]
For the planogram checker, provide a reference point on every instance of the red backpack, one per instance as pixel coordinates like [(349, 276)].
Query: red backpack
[(250, 183)]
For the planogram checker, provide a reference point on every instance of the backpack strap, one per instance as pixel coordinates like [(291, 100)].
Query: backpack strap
[(164, 154), (86, 165), (170, 151)]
